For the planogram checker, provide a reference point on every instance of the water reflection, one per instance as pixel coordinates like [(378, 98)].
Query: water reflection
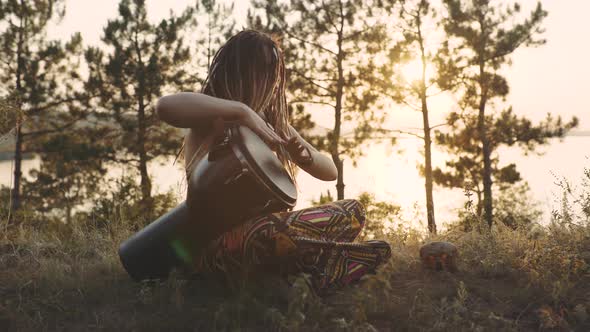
[(391, 174)]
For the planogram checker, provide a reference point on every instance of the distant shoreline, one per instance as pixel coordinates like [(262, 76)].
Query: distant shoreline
[(7, 150), (579, 133), (8, 155)]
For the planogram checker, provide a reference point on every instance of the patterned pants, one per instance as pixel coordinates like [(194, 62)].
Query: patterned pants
[(316, 240)]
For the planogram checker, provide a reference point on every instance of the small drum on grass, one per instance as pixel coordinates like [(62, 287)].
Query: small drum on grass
[(239, 178), (439, 256)]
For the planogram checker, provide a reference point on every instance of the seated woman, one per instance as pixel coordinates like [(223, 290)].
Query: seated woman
[(246, 85)]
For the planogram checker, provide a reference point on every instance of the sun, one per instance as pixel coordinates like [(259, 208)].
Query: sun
[(412, 71)]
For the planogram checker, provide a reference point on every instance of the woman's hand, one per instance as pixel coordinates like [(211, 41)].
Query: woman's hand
[(309, 159), (298, 151), (252, 120)]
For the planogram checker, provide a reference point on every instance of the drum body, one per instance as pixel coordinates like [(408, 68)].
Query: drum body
[(239, 178), (155, 250)]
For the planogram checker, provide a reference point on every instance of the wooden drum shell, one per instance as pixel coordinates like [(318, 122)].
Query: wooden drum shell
[(226, 189)]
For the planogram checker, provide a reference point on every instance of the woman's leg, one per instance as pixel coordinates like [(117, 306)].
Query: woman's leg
[(340, 221), (314, 240), (245, 245)]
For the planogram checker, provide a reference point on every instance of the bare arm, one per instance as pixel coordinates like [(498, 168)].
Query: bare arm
[(194, 110), (190, 109), (322, 167)]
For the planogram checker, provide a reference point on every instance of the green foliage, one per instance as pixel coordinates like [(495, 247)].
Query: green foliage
[(382, 218), (485, 38), (40, 75), (486, 32), (5, 206), (142, 59), (323, 199), (482, 37), (574, 207), (216, 26), (514, 208), (9, 113), (121, 202), (465, 169), (69, 176)]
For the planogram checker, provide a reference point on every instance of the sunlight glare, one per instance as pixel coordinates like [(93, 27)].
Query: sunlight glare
[(412, 71)]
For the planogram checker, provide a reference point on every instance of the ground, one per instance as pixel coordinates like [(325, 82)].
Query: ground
[(520, 280)]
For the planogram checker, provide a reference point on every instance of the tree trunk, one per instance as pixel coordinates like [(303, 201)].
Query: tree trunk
[(338, 121), (479, 203), (18, 154), (68, 213), (15, 199), (428, 168), (146, 185), (487, 179), (487, 163), (427, 139), (481, 126)]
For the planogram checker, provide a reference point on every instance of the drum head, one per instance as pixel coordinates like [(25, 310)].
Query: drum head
[(265, 163)]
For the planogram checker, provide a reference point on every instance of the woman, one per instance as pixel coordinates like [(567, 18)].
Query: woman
[(246, 85)]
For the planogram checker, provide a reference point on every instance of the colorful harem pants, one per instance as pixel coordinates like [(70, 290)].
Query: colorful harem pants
[(316, 240)]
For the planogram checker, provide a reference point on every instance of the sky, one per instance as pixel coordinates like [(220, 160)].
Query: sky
[(552, 78), (556, 77)]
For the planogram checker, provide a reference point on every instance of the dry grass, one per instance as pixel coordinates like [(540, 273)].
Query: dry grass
[(69, 278), (508, 280)]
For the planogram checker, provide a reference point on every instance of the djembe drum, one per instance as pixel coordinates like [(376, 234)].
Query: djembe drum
[(239, 178)]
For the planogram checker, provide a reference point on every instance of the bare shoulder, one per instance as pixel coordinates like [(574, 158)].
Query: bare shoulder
[(195, 137)]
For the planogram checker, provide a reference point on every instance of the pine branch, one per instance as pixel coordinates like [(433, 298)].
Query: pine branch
[(329, 17), (56, 103), (311, 80), (54, 130), (312, 102), (307, 41), (403, 132)]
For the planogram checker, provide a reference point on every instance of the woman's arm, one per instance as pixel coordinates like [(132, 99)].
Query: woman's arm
[(321, 167), (193, 110)]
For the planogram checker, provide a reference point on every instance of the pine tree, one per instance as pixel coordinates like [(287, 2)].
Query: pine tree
[(299, 116), (141, 59), (40, 74), (413, 20), (218, 28), (462, 142), (69, 174), (483, 37), (329, 47)]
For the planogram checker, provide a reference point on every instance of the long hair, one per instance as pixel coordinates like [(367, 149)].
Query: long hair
[(250, 68)]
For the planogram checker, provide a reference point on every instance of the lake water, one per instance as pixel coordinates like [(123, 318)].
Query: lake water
[(390, 173)]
